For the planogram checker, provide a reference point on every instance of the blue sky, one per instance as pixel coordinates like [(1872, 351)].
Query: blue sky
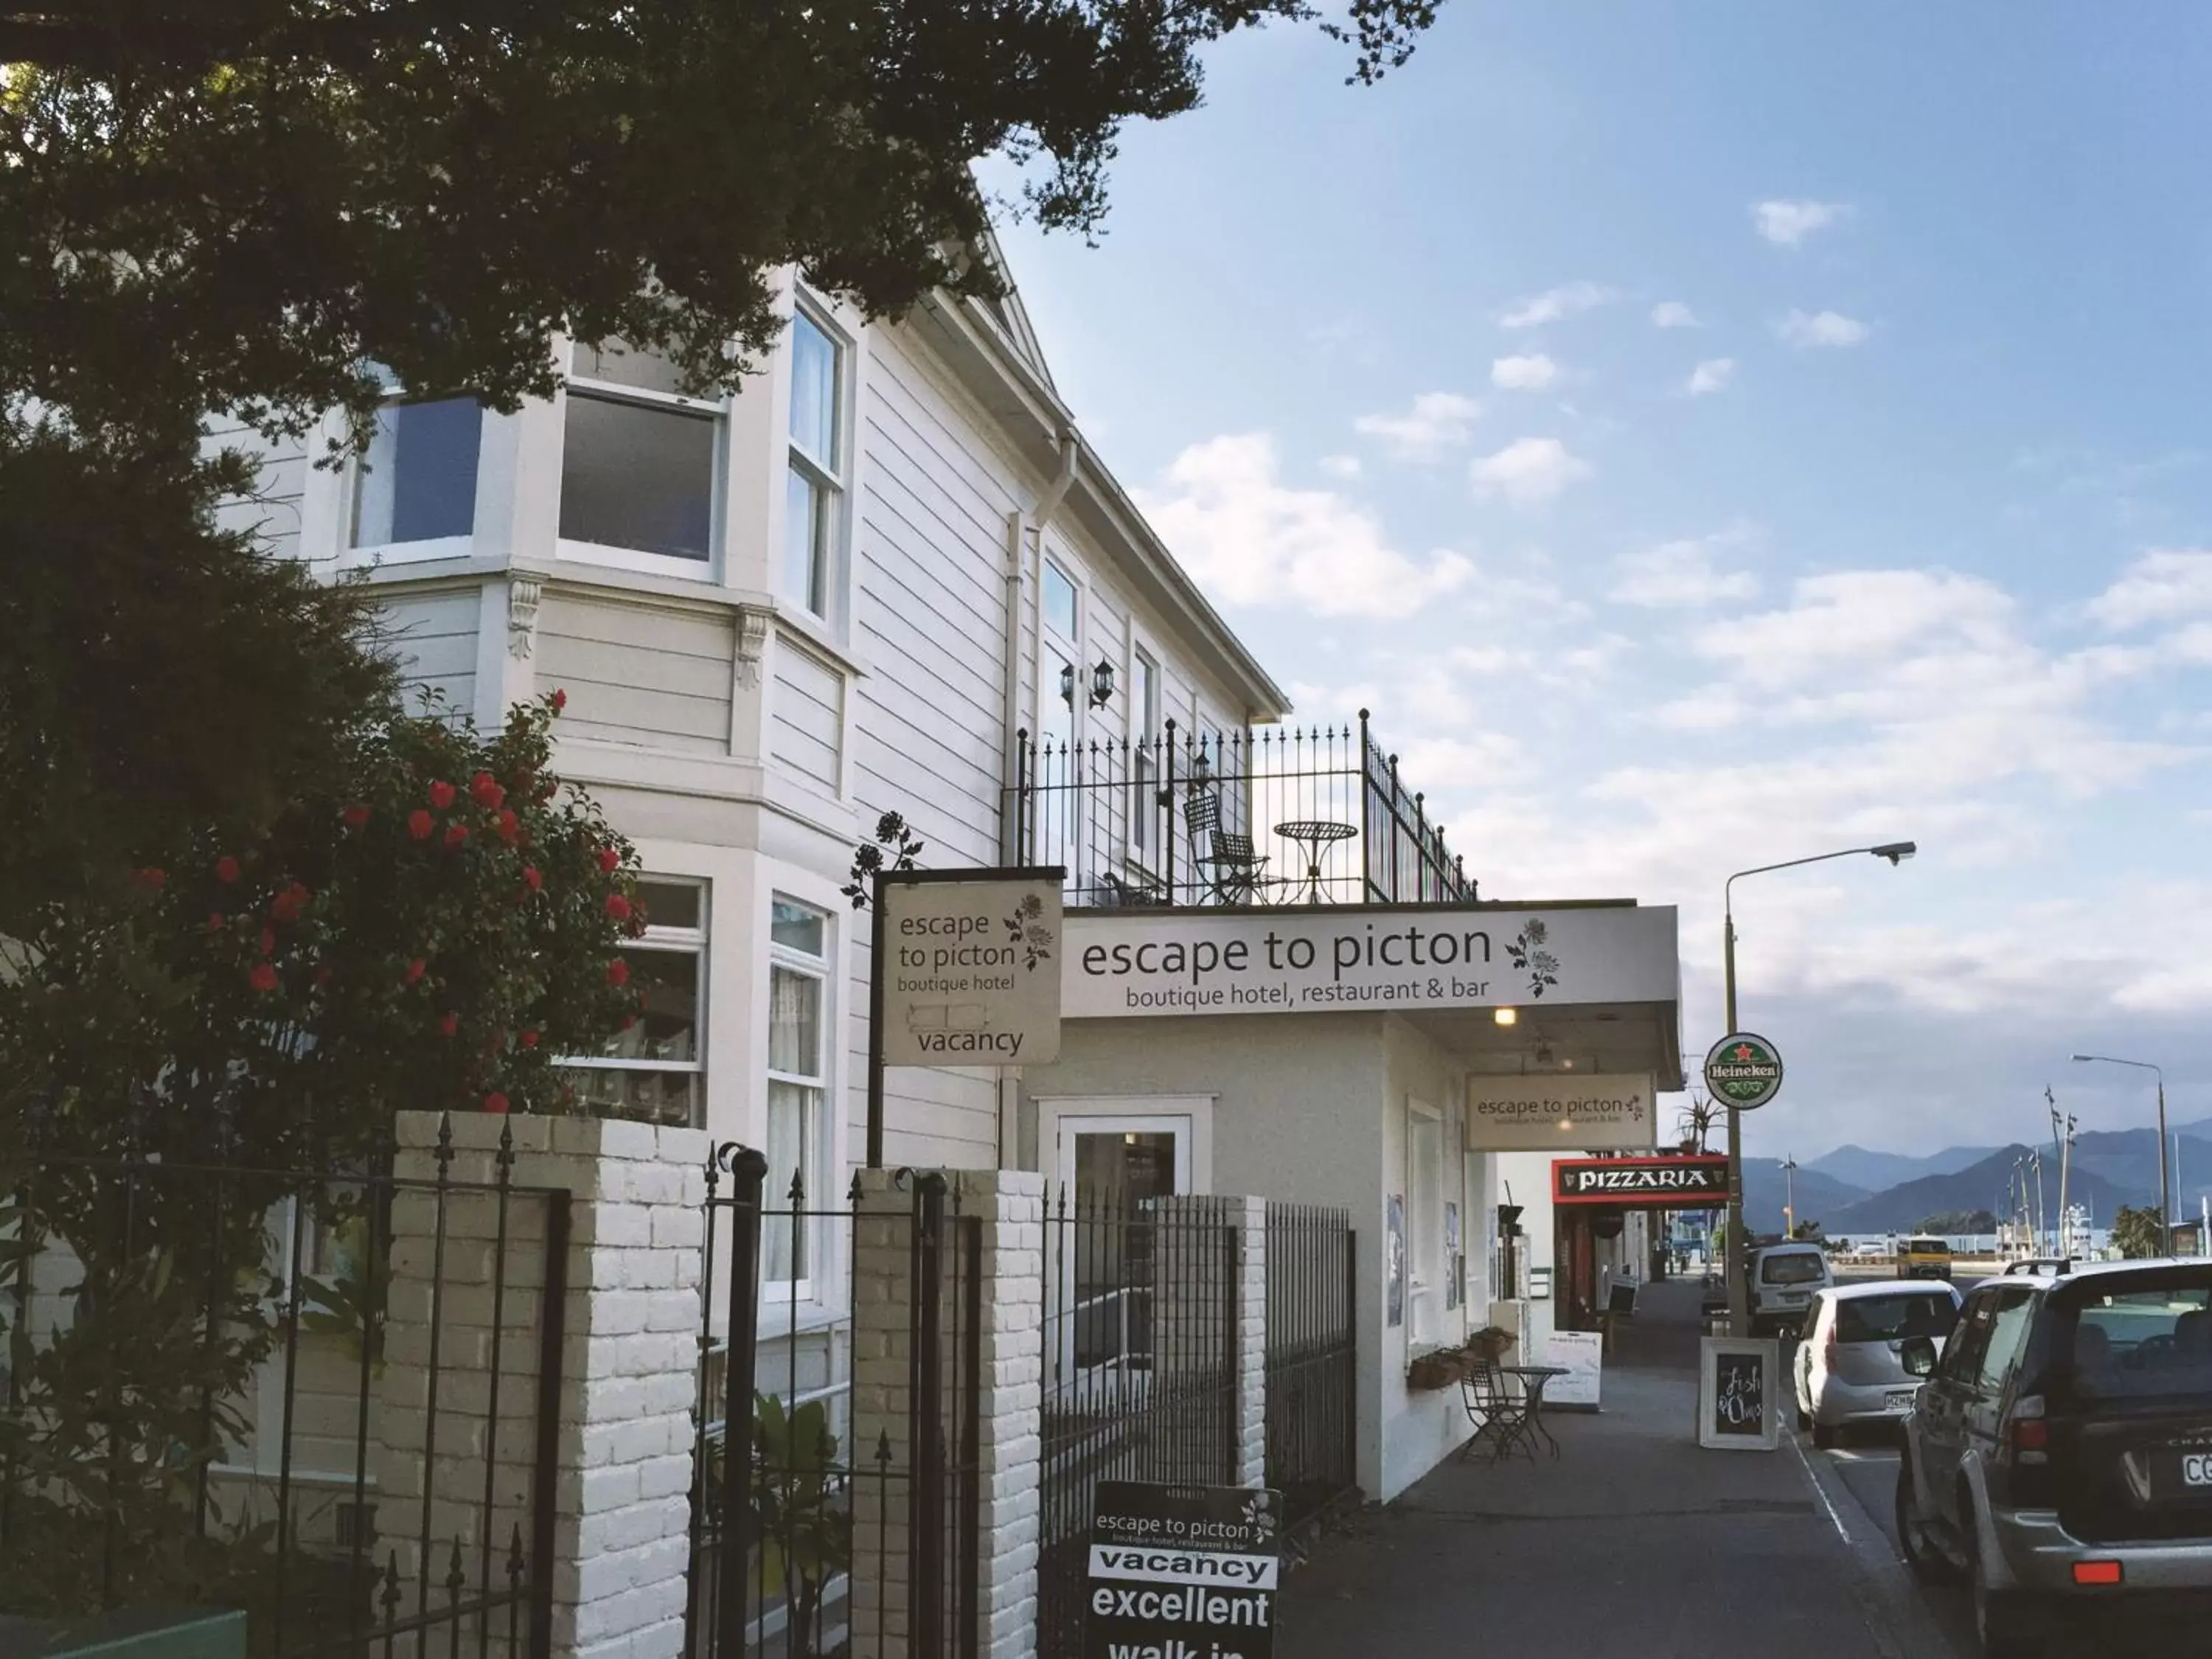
[(1707, 434)]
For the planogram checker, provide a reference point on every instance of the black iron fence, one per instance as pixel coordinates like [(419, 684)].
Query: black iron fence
[(327, 1397), (854, 1528), (1140, 1367), (1312, 1365), (1271, 816)]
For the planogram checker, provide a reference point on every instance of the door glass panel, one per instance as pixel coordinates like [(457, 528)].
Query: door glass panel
[(1116, 1245)]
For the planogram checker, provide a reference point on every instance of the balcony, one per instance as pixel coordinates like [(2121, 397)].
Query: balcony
[(1272, 816)]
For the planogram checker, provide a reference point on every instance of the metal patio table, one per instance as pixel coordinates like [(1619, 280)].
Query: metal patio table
[(1533, 1380), (1311, 836)]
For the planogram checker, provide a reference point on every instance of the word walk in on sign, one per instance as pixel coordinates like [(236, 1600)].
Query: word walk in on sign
[(1182, 1573)]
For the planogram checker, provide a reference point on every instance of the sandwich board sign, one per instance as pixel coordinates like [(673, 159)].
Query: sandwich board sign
[(1182, 1573)]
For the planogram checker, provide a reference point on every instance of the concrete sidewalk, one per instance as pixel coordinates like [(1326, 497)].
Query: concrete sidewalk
[(1635, 1543)]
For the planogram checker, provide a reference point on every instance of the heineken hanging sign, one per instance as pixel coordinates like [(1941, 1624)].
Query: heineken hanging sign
[(1743, 1071)]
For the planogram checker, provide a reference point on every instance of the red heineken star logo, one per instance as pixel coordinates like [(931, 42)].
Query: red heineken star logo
[(1743, 1051)]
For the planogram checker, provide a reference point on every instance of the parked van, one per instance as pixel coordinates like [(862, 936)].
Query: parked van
[(1923, 1258), (1784, 1278)]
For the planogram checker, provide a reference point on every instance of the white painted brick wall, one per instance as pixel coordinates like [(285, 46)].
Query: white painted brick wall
[(624, 1409)]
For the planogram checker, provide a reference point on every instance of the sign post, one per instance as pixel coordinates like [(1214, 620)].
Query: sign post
[(1182, 1573), (1744, 1072), (964, 970)]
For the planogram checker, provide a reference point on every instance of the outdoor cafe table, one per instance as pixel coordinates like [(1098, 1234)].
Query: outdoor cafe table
[(1533, 1380)]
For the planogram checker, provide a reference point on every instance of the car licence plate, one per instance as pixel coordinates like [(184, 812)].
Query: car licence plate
[(1900, 1400), (1795, 1298), (2196, 1468)]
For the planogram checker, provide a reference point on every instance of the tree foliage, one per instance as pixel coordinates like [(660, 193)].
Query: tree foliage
[(2137, 1232), (242, 205)]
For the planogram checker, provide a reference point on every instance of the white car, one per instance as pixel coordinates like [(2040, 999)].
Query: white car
[(1783, 1279), (1849, 1368)]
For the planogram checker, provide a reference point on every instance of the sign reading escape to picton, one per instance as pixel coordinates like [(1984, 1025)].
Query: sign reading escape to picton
[(1280, 960), (971, 973), (1182, 1573)]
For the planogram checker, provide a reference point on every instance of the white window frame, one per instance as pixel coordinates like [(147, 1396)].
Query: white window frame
[(1144, 724), (832, 473), (351, 552), (783, 1292), (696, 941), (707, 569)]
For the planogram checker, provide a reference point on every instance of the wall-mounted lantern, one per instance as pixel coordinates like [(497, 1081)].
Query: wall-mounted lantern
[(1102, 683)]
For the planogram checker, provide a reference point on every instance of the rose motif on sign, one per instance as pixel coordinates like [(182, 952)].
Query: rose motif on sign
[(1528, 952), (1025, 929)]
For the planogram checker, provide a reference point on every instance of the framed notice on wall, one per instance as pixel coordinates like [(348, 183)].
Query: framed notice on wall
[(1740, 1394), (1455, 1257), (1394, 1259)]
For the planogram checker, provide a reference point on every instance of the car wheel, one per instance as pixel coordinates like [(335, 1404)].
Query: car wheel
[(1928, 1562), (2002, 1622), (1824, 1435)]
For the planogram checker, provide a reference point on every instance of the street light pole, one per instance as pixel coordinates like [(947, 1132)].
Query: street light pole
[(1738, 1291), (2164, 1185), (1789, 1196)]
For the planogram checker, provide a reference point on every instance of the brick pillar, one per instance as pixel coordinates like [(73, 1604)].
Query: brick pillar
[(618, 1538), (1210, 1308), (1007, 1208)]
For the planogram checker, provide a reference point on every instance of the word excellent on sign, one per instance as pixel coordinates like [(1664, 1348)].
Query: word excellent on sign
[(1182, 1573)]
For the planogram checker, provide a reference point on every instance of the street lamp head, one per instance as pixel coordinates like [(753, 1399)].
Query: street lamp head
[(2084, 1056), (1896, 851)]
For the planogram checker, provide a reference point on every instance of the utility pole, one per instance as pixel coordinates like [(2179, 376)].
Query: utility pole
[(1789, 1196), (2037, 1156)]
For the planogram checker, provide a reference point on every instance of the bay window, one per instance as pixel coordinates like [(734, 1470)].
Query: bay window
[(416, 482), (638, 458), (655, 1071), (797, 1089)]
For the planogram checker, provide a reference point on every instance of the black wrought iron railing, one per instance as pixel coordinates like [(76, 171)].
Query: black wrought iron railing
[(1274, 815)]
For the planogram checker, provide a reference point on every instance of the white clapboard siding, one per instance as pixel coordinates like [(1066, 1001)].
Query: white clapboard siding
[(434, 635), (272, 511), (654, 676), (806, 714)]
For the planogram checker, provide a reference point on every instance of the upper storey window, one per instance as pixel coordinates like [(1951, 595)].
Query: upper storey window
[(815, 486), (416, 482), (638, 459)]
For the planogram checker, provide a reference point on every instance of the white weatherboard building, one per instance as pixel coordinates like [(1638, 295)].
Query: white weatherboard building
[(889, 574)]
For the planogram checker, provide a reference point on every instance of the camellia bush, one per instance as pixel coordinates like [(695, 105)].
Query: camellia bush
[(233, 1027)]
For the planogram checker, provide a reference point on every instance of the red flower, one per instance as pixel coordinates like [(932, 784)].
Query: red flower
[(323, 974), (226, 868), (268, 941), (618, 972), (153, 879), (617, 908), (529, 1039), (455, 834), (509, 826), (441, 794), (449, 1024), (531, 879), (263, 978), (560, 700), (288, 904), (355, 815), (415, 970), (610, 860), (629, 1020), (419, 824), (495, 1102), (214, 921), (484, 790)]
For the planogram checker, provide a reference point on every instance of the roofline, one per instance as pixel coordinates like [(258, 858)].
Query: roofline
[(1038, 405)]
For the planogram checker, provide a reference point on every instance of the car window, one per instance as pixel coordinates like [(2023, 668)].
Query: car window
[(1962, 1359), (2012, 1311), (1798, 1267), (1891, 1318), (2138, 1335)]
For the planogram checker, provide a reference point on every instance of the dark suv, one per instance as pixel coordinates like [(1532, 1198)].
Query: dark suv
[(2059, 1454)]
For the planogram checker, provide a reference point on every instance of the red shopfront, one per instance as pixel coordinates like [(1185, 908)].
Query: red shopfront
[(1592, 1199)]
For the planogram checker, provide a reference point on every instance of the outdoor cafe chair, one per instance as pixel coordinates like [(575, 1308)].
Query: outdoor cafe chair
[(1500, 1416), (1236, 869)]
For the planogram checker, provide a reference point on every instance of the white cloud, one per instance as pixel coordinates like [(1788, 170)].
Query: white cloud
[(1820, 328), (1857, 617), (1526, 373), (1436, 422), (1528, 471), (1248, 537), (1556, 305), (1787, 224), (1681, 575), (1672, 313), (1341, 466), (2165, 585), (1711, 375)]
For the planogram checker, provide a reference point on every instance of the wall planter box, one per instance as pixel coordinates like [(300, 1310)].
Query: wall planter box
[(1439, 1370)]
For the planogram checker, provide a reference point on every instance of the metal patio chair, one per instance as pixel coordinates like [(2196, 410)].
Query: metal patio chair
[(1236, 870), (1499, 1415)]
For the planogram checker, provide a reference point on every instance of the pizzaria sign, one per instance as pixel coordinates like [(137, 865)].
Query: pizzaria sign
[(1690, 1183)]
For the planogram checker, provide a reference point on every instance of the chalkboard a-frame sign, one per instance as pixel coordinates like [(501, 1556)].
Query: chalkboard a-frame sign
[(1182, 1573)]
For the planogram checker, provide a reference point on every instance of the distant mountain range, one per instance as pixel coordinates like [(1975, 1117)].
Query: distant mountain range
[(1983, 1185), (1874, 1172), (1819, 1196)]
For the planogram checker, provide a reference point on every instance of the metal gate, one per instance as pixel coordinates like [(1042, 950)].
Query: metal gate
[(1312, 1361), (837, 1502)]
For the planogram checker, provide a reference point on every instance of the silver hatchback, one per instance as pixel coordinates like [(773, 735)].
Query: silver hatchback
[(1851, 1367)]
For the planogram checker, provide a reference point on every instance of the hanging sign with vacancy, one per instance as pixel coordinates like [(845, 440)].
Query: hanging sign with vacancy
[(970, 969)]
